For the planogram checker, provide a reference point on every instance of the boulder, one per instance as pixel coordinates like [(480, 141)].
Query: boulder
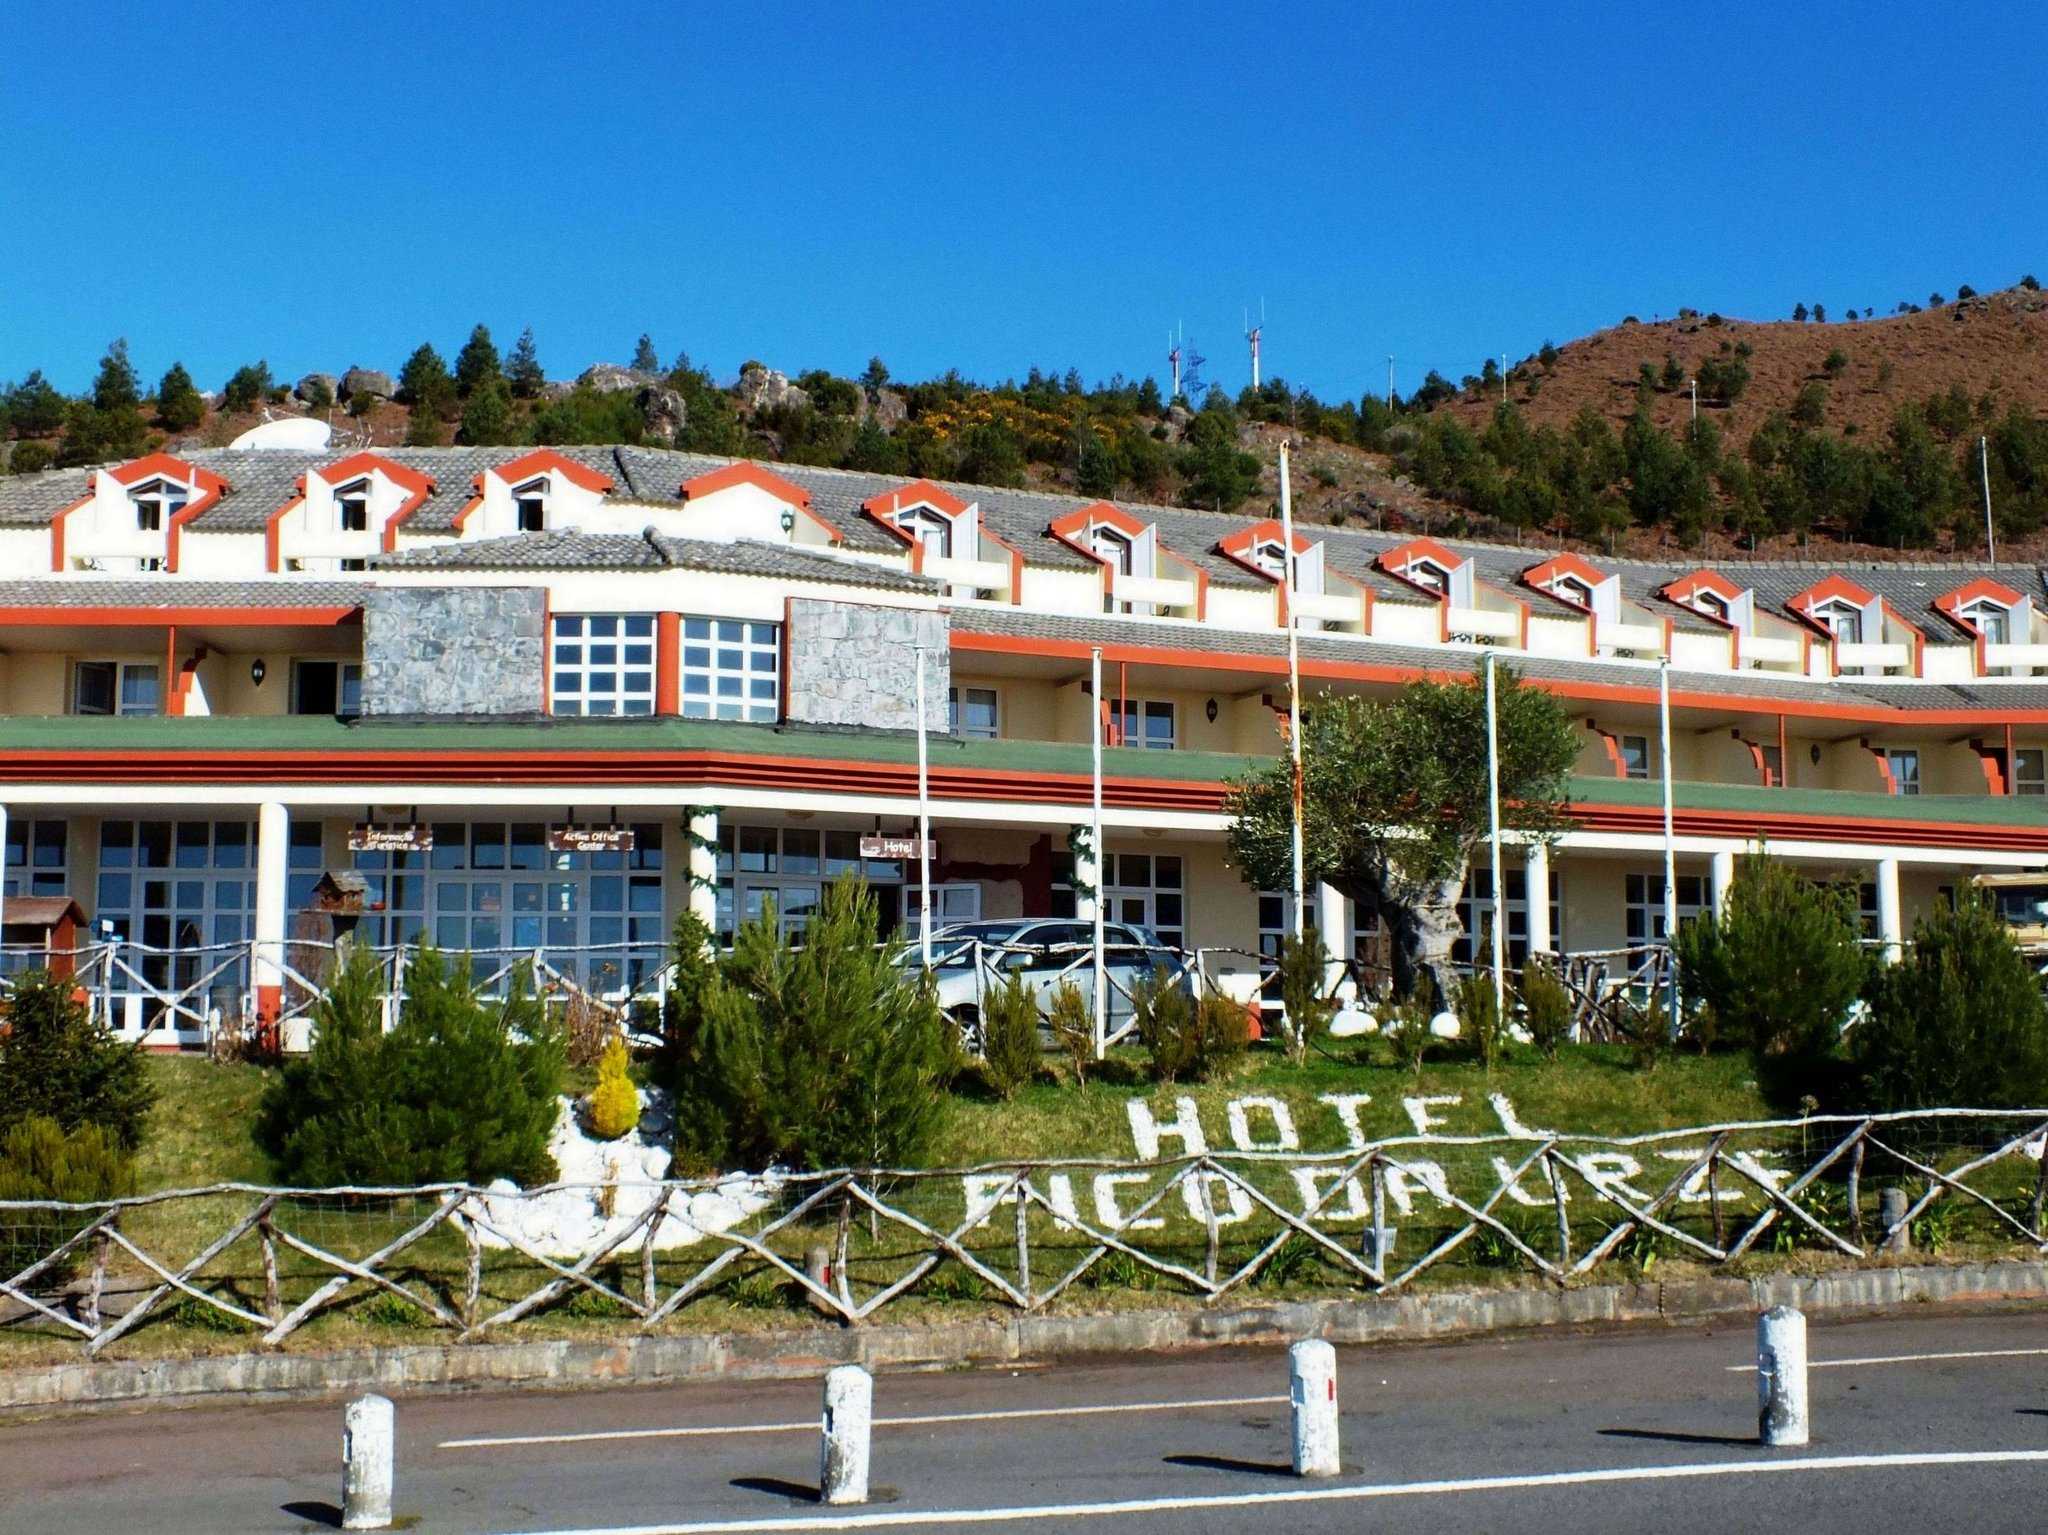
[(309, 387), (889, 409), (765, 389), (367, 382), (610, 378), (663, 414)]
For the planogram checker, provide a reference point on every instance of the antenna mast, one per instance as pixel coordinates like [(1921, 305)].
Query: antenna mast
[(1252, 333), (1173, 362)]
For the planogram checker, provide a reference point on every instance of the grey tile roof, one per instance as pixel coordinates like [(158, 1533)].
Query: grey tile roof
[(1738, 686), (261, 481), (650, 550), (178, 592)]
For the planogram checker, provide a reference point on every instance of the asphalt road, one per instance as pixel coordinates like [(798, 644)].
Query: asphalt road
[(1633, 1432)]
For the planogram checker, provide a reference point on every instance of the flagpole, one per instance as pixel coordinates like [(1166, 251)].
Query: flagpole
[(1294, 698), (1096, 853), (924, 821), (1500, 998)]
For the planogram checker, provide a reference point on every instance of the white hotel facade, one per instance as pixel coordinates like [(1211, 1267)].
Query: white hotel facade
[(218, 669)]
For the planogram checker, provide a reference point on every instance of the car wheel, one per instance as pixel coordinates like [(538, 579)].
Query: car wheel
[(968, 1021)]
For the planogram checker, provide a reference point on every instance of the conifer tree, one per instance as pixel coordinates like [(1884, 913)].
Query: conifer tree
[(424, 380), (477, 363), (644, 359), (487, 420), (523, 369), (179, 407), (114, 387)]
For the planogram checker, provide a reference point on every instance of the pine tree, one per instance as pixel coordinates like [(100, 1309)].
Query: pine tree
[(246, 387), (644, 359), (424, 380), (488, 418), (477, 363), (58, 1063), (522, 368), (115, 386), (178, 405), (35, 407)]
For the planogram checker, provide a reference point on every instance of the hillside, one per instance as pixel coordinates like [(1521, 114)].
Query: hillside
[(1993, 344)]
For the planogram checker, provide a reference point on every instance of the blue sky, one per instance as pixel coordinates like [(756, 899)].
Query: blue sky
[(989, 186)]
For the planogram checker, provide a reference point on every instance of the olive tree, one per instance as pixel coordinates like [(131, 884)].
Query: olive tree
[(1394, 800)]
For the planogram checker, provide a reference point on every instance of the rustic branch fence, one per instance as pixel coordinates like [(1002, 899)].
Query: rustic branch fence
[(466, 1261)]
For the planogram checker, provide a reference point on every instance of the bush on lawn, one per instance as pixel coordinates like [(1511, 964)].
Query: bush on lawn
[(828, 1054), (1009, 1036), (615, 1101), (58, 1063), (1776, 973), (1304, 994), (1186, 1037), (39, 1160), (1546, 1006), (464, 1089), (1072, 1022), (1957, 1023)]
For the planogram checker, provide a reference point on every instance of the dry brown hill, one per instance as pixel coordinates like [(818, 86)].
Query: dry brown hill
[(1993, 343)]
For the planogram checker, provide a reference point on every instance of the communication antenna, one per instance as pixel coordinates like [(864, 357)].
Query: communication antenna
[(1252, 333), (1390, 381), (1173, 362)]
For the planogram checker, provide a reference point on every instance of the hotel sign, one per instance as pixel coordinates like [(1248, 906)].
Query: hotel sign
[(896, 847)]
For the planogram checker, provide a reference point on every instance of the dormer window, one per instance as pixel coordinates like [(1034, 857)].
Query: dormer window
[(1112, 547), (1991, 620), (529, 506), (1573, 590), (1712, 604), (1427, 573), (1270, 557), (156, 503), (928, 528), (352, 507), (1842, 620)]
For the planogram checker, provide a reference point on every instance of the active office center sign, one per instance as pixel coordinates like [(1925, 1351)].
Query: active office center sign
[(591, 839)]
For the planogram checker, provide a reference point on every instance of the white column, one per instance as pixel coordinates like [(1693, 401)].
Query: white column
[(843, 1452), (273, 841), (1312, 1394), (1891, 921), (369, 1434), (700, 863), (1782, 1416), (27, 853), (1723, 879), (1333, 925), (1536, 895)]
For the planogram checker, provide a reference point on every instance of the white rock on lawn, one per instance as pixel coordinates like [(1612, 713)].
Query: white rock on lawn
[(567, 1220)]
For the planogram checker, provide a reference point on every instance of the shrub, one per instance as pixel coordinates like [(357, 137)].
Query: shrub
[(1009, 1036), (828, 1055), (1408, 1032), (1224, 1029), (615, 1101), (2031, 283), (1164, 1014), (39, 1160), (1480, 1015), (57, 1063), (1776, 972), (1646, 1029), (1836, 363), (463, 1090), (1958, 1022), (1546, 1006), (1304, 969), (1073, 1028)]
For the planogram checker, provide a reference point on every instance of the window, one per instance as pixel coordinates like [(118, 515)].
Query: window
[(1905, 770), (603, 663), (327, 687), (155, 503), (760, 866), (1428, 574), (972, 712), (1113, 547), (35, 858), (1711, 604), (1843, 622), (1146, 890), (929, 528), (352, 507), (1992, 621), (114, 687), (185, 890), (1573, 591), (1475, 913), (1645, 905), (732, 669), (1146, 723), (529, 506), (1635, 756), (2030, 771)]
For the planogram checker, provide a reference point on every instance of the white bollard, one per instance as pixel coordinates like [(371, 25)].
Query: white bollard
[(1312, 1390), (1782, 1417), (369, 1439), (843, 1456)]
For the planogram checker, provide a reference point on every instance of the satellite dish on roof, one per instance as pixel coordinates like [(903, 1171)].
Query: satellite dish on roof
[(299, 434)]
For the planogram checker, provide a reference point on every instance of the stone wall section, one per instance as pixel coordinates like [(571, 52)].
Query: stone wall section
[(454, 650), (854, 664)]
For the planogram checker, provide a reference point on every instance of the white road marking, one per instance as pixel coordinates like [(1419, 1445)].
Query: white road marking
[(1843, 1364), (811, 1424), (902, 1518)]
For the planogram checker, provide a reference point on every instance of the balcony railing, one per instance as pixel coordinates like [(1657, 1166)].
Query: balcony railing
[(1485, 623), (1886, 656), (1331, 607), (982, 575), (1159, 591), (1647, 639), (2015, 654)]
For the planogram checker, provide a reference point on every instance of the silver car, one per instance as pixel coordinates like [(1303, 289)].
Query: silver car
[(971, 959)]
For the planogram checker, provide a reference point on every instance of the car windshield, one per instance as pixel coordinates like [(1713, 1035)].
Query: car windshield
[(953, 947)]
